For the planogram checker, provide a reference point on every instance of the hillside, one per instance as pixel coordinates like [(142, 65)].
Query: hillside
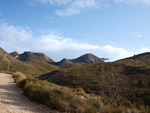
[(34, 57), (87, 58), (29, 68), (82, 75), (129, 79), (142, 59), (5, 56)]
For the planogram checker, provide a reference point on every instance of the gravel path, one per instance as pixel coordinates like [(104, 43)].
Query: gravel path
[(12, 100)]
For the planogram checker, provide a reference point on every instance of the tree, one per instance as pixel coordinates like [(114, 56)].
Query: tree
[(119, 89)]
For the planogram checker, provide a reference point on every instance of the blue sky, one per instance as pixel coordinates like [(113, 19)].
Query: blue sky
[(69, 28)]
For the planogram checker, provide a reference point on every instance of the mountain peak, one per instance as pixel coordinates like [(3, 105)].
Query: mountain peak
[(14, 54), (5, 56), (28, 56), (63, 62), (87, 58)]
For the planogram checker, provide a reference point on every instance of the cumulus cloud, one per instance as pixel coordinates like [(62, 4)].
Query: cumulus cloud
[(52, 44)]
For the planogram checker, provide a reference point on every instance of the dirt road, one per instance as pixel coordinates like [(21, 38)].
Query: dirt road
[(12, 100)]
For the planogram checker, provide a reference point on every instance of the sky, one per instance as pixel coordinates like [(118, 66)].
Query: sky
[(112, 29)]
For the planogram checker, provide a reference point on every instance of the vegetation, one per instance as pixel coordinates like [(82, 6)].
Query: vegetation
[(118, 84), (57, 97), (113, 87), (73, 100), (30, 69)]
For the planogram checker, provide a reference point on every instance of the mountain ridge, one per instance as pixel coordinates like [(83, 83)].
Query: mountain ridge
[(28, 56), (87, 58), (14, 54), (6, 56)]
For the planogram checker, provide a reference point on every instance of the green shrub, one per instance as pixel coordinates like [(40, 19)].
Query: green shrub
[(57, 97), (119, 110), (127, 104), (90, 110), (20, 79)]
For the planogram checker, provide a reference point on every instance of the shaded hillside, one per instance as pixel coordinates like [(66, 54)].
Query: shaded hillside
[(89, 76), (34, 57), (87, 58), (14, 54), (5, 56), (82, 75)]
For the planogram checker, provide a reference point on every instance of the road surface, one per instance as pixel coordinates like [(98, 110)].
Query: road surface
[(12, 100)]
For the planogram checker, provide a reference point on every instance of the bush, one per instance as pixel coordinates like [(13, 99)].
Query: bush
[(119, 110), (90, 110), (57, 97), (127, 104), (20, 79)]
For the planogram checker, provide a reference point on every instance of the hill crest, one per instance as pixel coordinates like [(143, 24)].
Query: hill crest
[(87, 58), (28, 56), (6, 56)]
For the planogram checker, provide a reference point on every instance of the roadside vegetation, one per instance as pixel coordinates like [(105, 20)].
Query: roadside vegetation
[(74, 100), (57, 97)]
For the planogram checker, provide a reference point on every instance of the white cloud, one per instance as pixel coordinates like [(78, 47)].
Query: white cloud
[(48, 2), (144, 49), (68, 7), (147, 2), (71, 7), (52, 44), (77, 6)]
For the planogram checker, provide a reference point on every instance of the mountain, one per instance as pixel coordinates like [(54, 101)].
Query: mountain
[(63, 62), (15, 65), (87, 58), (34, 57), (6, 56), (14, 54)]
